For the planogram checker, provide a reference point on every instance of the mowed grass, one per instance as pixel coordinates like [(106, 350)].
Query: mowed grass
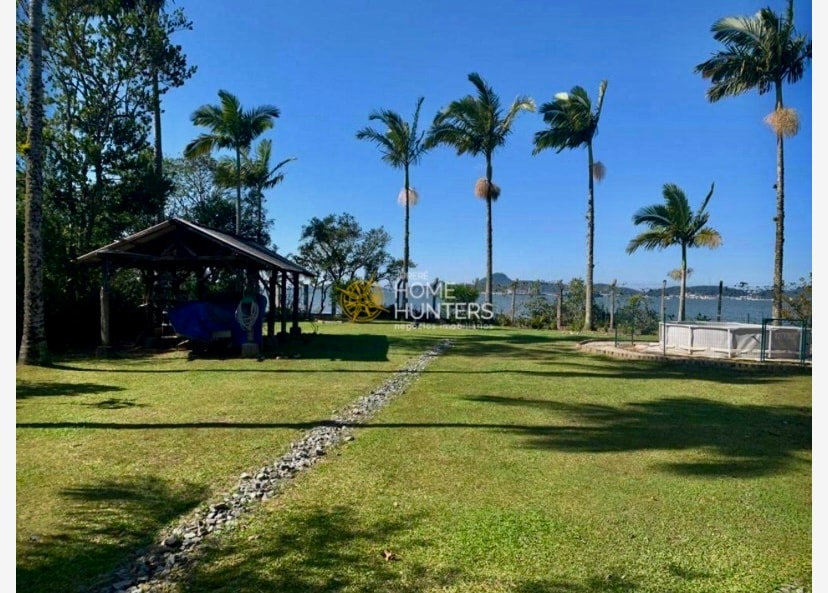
[(111, 451), (516, 464)]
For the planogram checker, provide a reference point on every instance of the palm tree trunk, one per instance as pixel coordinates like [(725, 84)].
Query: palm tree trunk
[(159, 155), (590, 216), (238, 192), (33, 347), (489, 230), (683, 289), (405, 248), (260, 224), (778, 281)]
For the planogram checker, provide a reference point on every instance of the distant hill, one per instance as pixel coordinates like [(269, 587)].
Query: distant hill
[(503, 283)]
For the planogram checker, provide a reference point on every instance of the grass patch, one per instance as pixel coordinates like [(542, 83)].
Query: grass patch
[(514, 464), (110, 451)]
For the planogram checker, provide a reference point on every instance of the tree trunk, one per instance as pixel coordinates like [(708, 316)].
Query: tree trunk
[(33, 347), (159, 155), (589, 324), (488, 298), (238, 192), (778, 279), (683, 288), (405, 248)]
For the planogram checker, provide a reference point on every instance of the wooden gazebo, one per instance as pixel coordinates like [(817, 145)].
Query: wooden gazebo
[(179, 245)]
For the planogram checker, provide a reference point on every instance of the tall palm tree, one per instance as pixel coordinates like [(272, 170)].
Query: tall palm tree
[(33, 346), (762, 52), (477, 125), (230, 127), (674, 223), (572, 124), (401, 147)]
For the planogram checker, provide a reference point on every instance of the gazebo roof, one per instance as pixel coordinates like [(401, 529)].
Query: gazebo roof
[(178, 244)]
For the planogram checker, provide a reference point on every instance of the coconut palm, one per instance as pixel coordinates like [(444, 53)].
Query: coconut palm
[(230, 127), (401, 146), (674, 223), (477, 125), (572, 124), (33, 346), (762, 52)]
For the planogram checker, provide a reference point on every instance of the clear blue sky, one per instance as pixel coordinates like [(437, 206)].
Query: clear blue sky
[(326, 65)]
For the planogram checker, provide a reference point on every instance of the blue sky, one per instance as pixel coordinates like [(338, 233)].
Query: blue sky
[(327, 65)]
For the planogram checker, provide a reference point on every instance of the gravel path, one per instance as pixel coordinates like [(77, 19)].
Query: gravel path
[(155, 568)]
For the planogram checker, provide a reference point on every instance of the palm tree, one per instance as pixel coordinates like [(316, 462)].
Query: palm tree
[(259, 176), (256, 176), (230, 127), (33, 346), (572, 124), (401, 146), (477, 125), (761, 52), (674, 223)]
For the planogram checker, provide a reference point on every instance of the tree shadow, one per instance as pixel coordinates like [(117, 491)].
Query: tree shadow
[(321, 551), (116, 403), (27, 389), (748, 440), (101, 524)]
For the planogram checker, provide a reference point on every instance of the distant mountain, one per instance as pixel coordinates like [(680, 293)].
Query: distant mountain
[(503, 283)]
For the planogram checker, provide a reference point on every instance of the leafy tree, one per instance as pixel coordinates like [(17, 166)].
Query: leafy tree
[(33, 346), (799, 304), (675, 223), (572, 124), (401, 146), (762, 52), (99, 181), (337, 249), (478, 125), (164, 61), (196, 196), (539, 313), (233, 127), (637, 317)]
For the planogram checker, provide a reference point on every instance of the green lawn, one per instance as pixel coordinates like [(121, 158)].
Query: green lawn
[(515, 463)]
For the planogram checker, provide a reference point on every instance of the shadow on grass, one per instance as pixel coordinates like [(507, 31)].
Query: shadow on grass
[(102, 523), (115, 403), (320, 551), (27, 389), (748, 440)]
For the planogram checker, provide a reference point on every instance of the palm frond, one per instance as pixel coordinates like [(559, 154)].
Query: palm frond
[(203, 145)]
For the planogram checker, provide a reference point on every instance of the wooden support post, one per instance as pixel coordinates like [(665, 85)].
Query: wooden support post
[(271, 299), (283, 302), (295, 330)]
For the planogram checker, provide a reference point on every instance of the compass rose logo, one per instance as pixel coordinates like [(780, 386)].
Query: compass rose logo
[(361, 300)]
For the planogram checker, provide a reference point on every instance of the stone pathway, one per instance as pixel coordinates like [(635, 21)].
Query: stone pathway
[(154, 569)]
